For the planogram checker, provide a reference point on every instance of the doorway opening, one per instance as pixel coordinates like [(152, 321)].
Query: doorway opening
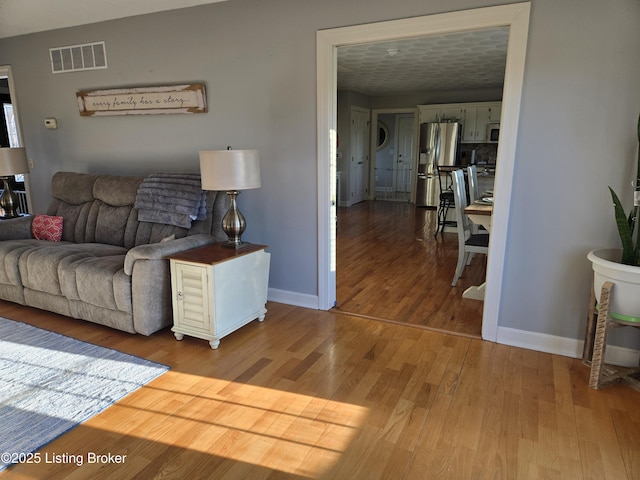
[(513, 16), (394, 154)]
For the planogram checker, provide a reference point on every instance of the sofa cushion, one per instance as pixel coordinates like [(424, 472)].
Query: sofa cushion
[(47, 227), (108, 224), (101, 281), (75, 219), (116, 191), (73, 188), (96, 208), (10, 253), (40, 267)]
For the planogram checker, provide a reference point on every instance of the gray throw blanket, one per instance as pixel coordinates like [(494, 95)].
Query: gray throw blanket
[(171, 198)]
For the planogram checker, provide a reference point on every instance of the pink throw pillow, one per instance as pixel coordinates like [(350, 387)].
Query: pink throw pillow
[(46, 227)]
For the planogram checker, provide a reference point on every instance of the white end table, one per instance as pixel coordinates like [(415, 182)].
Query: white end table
[(217, 289)]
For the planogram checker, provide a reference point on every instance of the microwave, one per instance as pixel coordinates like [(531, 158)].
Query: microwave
[(493, 132)]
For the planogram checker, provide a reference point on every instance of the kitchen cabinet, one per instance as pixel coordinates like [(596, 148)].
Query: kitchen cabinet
[(495, 110), (453, 112), (475, 117), (437, 113), (476, 120), (470, 124), (429, 114)]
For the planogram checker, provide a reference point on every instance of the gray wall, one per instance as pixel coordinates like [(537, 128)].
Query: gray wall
[(257, 59), (577, 135)]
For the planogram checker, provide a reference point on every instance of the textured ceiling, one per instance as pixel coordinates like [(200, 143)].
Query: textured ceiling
[(454, 61), (19, 17)]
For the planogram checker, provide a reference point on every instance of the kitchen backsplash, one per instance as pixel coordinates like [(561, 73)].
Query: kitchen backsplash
[(486, 153)]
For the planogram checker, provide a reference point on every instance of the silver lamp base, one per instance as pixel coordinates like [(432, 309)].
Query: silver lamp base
[(234, 223), (9, 201)]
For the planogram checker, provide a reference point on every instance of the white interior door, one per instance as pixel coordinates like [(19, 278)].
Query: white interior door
[(359, 162), (405, 135)]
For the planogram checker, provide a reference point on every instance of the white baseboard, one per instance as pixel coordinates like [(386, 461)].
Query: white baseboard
[(293, 298), (541, 342), (568, 347)]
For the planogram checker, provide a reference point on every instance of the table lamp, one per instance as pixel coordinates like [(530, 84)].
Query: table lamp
[(230, 171), (12, 162)]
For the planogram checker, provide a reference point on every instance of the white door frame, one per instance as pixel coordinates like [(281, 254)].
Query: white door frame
[(5, 72), (516, 17)]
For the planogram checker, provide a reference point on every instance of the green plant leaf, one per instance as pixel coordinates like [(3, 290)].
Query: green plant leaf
[(624, 229)]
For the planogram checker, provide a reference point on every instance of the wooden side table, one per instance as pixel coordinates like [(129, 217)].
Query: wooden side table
[(217, 289)]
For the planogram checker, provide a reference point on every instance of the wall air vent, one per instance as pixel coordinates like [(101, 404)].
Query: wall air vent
[(75, 58)]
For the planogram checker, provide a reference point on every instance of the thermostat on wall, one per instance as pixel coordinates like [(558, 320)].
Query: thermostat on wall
[(51, 123)]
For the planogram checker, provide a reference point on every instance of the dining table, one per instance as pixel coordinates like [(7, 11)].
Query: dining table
[(480, 213)]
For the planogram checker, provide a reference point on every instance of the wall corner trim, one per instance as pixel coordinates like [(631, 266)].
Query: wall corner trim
[(293, 298)]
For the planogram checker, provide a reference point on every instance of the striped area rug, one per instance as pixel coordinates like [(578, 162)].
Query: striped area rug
[(49, 383)]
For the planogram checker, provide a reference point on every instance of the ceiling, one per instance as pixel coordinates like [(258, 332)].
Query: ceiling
[(19, 17), (455, 61)]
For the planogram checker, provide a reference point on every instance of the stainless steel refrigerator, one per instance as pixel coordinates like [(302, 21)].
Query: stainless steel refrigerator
[(439, 143)]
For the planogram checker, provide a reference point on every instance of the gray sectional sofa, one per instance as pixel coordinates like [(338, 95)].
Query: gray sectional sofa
[(109, 267)]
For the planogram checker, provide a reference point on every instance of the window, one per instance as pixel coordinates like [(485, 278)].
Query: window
[(14, 141)]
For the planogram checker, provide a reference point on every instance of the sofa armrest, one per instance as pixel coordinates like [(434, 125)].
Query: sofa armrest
[(16, 228), (159, 251)]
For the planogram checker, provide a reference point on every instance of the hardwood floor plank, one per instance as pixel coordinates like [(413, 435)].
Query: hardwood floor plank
[(310, 394), (391, 267)]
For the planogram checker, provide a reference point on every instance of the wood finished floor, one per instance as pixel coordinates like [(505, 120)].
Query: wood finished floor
[(391, 267), (319, 395)]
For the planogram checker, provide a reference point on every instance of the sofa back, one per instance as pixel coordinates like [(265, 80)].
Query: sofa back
[(99, 209)]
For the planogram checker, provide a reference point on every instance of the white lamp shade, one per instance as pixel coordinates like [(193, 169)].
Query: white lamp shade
[(229, 169), (13, 161)]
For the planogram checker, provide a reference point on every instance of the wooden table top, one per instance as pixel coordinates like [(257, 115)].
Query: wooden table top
[(479, 209), (215, 253)]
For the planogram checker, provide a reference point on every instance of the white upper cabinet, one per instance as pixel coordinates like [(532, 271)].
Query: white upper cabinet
[(439, 113), (495, 109), (475, 117), (452, 112), (429, 114)]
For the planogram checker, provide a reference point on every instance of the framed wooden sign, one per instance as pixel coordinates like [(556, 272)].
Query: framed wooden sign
[(143, 101)]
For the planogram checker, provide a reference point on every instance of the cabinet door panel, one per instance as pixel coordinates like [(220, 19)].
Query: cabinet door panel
[(469, 124), (429, 115), (192, 297), (495, 110), (482, 120)]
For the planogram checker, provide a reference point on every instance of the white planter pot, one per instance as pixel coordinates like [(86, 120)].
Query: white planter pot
[(625, 296)]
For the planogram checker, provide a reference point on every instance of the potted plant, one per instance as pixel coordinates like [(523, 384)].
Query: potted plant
[(622, 266)]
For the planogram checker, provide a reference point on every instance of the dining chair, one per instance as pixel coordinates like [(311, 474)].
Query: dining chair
[(472, 178), (468, 243), (474, 194), (445, 200)]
